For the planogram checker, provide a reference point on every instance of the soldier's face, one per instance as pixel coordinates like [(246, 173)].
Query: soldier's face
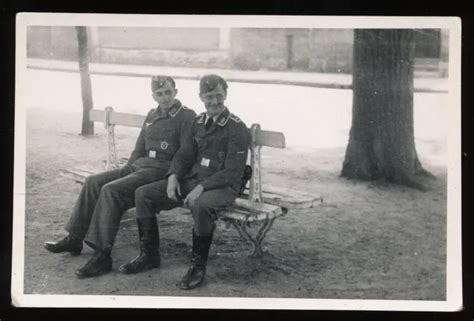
[(214, 100), (165, 95)]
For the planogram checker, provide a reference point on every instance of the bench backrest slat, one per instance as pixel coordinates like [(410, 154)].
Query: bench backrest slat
[(96, 115), (270, 139), (116, 118)]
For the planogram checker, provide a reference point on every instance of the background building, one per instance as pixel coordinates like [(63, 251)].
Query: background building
[(319, 50)]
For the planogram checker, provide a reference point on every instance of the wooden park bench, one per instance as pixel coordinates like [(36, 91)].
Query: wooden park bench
[(258, 206)]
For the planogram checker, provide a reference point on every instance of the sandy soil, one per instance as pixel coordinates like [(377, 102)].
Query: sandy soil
[(368, 240)]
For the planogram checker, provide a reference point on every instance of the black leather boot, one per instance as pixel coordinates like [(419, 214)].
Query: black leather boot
[(67, 244), (149, 257), (100, 263), (197, 269)]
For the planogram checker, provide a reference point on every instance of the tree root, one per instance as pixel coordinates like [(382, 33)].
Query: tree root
[(409, 182), (424, 173)]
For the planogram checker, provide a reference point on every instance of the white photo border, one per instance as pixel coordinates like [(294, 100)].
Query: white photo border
[(453, 300)]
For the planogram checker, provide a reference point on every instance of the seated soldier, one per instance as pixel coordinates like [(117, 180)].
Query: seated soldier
[(106, 196), (205, 175)]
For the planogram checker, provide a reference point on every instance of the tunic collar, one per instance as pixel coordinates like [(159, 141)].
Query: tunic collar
[(173, 111), (223, 117), (220, 119)]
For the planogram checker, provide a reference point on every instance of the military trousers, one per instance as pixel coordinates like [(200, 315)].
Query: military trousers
[(103, 200), (153, 198)]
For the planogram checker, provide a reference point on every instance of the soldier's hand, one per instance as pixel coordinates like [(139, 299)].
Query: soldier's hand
[(173, 189), (193, 195)]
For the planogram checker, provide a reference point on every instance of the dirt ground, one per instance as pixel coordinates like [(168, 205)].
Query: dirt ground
[(367, 241)]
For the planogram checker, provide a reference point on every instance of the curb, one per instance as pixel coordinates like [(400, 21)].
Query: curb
[(228, 78)]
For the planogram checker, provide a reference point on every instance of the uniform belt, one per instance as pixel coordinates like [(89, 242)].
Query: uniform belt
[(151, 153)]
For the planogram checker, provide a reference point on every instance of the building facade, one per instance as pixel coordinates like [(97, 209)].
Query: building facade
[(318, 50)]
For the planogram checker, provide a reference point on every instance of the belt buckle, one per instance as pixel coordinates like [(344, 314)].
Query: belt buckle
[(152, 153)]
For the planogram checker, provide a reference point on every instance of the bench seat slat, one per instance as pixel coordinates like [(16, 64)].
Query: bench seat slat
[(257, 208), (288, 198), (237, 213), (243, 216), (292, 198)]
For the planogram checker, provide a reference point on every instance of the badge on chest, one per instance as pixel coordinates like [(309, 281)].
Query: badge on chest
[(205, 162)]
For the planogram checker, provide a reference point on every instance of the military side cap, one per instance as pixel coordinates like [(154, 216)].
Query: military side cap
[(210, 82), (159, 81)]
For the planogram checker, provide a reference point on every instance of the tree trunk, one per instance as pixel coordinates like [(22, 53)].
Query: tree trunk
[(86, 90), (381, 142)]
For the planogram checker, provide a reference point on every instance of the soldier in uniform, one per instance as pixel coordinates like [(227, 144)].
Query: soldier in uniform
[(205, 175), (106, 196)]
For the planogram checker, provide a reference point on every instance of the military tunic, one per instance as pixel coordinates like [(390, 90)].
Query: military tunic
[(160, 137), (213, 157), (107, 195)]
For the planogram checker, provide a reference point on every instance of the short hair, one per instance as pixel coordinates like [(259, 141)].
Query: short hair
[(159, 81), (210, 82)]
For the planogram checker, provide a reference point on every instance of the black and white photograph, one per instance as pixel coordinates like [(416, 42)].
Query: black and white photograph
[(229, 162)]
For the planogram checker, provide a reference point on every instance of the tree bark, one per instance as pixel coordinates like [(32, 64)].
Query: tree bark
[(381, 141), (86, 88)]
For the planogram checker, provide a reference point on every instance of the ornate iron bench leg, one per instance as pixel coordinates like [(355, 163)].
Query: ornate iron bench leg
[(262, 232), (255, 241), (241, 227)]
